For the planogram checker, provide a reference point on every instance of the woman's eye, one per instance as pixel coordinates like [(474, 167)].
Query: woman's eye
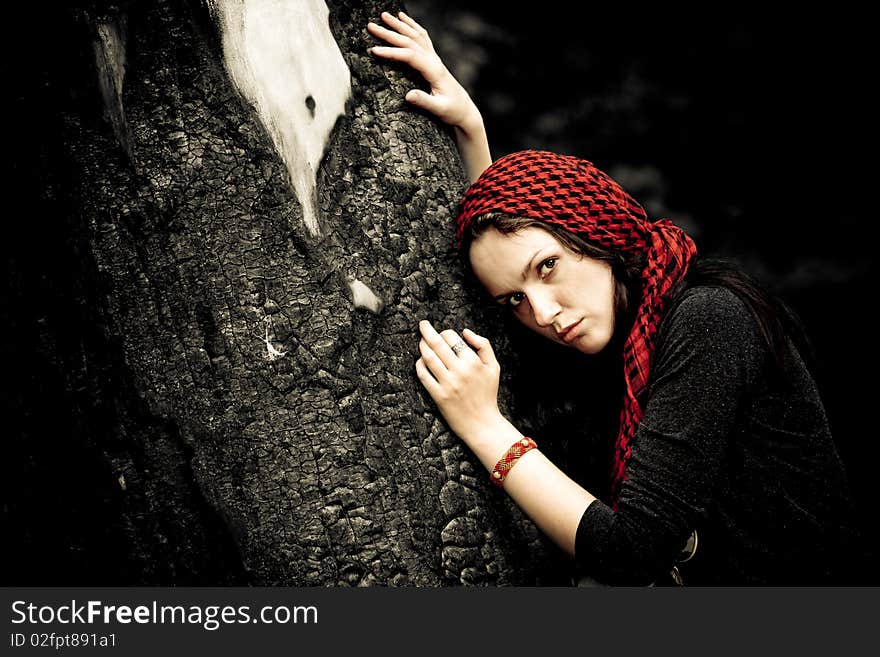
[(515, 299), (547, 265)]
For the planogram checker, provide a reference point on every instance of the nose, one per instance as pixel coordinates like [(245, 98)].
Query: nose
[(544, 308)]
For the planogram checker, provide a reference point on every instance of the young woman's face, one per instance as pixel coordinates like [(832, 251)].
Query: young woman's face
[(566, 297)]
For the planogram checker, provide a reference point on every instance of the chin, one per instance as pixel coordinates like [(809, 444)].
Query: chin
[(590, 345)]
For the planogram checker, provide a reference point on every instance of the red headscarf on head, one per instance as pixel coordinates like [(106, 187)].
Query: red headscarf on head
[(574, 194)]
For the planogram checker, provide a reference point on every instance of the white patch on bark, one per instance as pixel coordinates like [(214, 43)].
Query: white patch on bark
[(284, 60), (364, 297), (110, 62), (272, 353)]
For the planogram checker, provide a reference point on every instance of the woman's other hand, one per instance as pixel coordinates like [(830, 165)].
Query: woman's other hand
[(463, 382), (448, 101)]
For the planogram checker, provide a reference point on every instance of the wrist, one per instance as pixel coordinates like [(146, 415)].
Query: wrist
[(471, 125), (492, 439), (473, 145)]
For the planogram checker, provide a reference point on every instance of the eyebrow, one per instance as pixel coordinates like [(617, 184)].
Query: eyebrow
[(525, 272)]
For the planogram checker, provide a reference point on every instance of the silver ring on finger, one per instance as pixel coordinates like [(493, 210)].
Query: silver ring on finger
[(458, 346)]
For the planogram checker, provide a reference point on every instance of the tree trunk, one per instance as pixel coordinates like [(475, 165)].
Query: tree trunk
[(212, 308)]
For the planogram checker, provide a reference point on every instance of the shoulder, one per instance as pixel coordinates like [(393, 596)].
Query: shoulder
[(708, 309), (712, 323)]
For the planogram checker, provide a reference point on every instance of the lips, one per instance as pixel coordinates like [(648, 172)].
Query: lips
[(568, 332)]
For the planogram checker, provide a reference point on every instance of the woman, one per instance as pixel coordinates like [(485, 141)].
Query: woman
[(722, 469)]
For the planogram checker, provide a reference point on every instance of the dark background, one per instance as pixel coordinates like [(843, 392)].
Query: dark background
[(752, 131)]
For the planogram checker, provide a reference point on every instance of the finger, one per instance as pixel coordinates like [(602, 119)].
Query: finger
[(426, 64), (399, 25), (426, 101), (480, 345), (437, 344), (409, 21), (398, 54), (435, 365), (465, 353), (427, 379), (390, 36)]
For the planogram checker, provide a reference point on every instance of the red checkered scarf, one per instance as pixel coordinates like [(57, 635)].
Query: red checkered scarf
[(572, 193)]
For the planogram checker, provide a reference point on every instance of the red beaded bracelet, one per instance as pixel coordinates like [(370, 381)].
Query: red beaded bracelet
[(506, 462)]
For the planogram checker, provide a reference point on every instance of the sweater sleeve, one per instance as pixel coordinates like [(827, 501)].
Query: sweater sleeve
[(708, 353)]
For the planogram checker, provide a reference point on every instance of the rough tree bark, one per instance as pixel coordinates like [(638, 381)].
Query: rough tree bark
[(206, 390)]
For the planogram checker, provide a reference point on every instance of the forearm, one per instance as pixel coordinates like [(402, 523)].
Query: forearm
[(547, 495), (473, 145)]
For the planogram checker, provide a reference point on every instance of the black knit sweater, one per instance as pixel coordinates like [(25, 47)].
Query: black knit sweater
[(734, 447)]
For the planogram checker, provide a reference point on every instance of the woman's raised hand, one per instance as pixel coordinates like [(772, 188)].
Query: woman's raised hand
[(448, 101), (410, 43)]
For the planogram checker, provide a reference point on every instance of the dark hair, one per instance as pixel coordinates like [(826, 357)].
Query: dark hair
[(589, 416)]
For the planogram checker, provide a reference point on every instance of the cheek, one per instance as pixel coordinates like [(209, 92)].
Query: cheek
[(525, 318), (616, 299), (605, 305), (600, 296)]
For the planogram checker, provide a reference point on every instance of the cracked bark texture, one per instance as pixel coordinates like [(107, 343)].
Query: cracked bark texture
[(158, 435)]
